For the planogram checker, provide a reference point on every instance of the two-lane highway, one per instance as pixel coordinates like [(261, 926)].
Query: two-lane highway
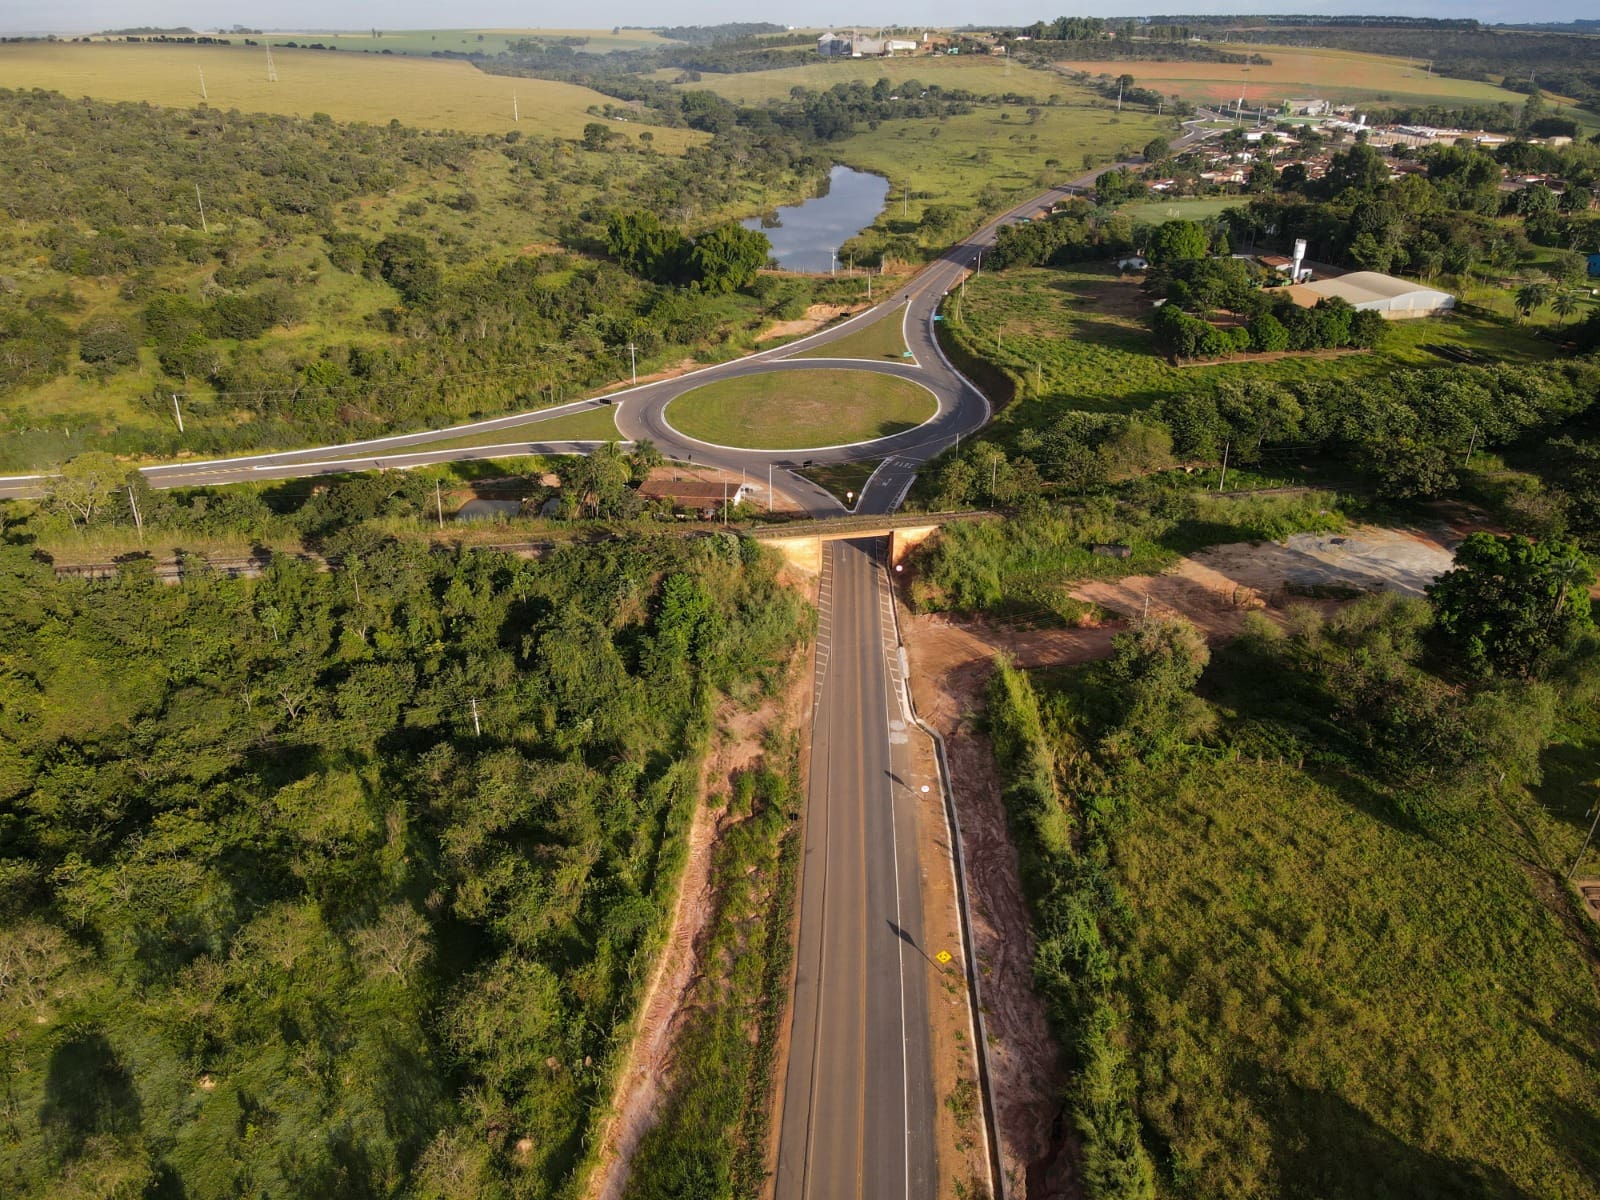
[(858, 1101)]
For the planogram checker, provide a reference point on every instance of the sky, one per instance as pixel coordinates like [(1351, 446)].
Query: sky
[(86, 16)]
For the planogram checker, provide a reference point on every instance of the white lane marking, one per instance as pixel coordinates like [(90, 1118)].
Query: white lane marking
[(900, 944)]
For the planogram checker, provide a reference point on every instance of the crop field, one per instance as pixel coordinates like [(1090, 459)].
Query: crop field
[(1076, 339), (1299, 71), (468, 41), (424, 93), (799, 410)]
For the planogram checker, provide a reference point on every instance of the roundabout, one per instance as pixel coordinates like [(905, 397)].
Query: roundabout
[(803, 409)]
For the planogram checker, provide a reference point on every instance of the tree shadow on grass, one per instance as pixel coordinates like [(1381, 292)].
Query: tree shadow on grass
[(1324, 1148), (87, 1093)]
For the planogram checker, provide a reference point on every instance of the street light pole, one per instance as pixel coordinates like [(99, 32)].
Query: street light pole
[(633, 362)]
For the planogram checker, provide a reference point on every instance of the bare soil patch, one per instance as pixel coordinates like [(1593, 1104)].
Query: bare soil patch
[(950, 667), (817, 317)]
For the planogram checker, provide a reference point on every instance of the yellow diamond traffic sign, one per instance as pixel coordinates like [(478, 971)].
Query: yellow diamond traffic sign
[(943, 956)]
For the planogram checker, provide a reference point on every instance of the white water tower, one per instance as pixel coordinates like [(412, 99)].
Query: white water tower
[(1298, 269)]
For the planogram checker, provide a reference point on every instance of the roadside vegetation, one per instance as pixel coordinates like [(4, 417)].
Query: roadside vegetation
[(370, 864), (1302, 919), (713, 1133)]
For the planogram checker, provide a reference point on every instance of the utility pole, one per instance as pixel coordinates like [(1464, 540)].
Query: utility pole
[(515, 115), (769, 481), (980, 264), (905, 200), (477, 729), (438, 503), (177, 412), (724, 500), (869, 287), (1224, 479), (203, 95), (633, 363), (204, 228), (1119, 95), (1472, 442), (138, 522), (1586, 841)]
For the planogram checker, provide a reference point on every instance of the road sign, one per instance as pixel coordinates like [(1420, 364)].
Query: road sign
[(944, 956)]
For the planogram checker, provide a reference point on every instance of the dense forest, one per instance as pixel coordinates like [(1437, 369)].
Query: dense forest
[(345, 883)]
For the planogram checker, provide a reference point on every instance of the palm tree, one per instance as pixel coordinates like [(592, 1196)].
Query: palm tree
[(1564, 304), (1532, 296)]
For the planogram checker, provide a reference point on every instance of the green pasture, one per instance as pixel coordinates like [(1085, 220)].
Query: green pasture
[(798, 410), (424, 93), (882, 339), (1076, 338)]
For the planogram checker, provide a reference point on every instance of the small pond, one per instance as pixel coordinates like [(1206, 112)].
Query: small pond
[(805, 236)]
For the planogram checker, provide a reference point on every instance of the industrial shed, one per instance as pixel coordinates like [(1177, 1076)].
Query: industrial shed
[(1393, 299)]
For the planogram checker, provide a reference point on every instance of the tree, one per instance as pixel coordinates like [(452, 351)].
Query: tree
[(1175, 241), (596, 135), (1511, 604), (727, 257), (1531, 297), (1157, 149), (1154, 667), (84, 486), (1564, 304)]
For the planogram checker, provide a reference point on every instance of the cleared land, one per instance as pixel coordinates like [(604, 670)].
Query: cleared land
[(883, 339), (798, 410), (1300, 71), (425, 93)]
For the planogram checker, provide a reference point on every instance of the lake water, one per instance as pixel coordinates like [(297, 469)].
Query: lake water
[(807, 235)]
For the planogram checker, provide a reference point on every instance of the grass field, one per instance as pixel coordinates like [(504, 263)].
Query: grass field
[(426, 93), (587, 425), (1338, 75), (1319, 1000), (883, 339), (993, 154), (468, 41), (1077, 339), (1197, 209), (799, 410), (844, 480)]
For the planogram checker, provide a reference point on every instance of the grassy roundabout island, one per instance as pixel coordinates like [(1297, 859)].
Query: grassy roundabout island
[(799, 410)]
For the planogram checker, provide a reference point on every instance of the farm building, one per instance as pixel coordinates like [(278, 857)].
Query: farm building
[(1393, 299), (702, 496)]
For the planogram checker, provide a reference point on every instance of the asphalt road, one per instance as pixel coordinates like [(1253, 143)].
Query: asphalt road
[(858, 1117), (639, 410)]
